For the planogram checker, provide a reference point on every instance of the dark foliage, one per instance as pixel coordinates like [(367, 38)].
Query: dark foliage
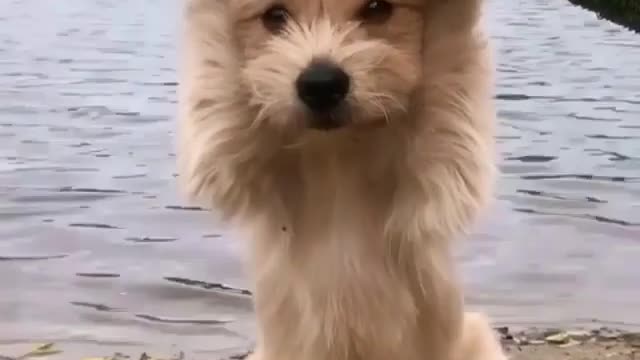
[(623, 12)]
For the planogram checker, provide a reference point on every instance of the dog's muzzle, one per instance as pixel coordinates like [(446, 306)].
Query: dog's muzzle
[(323, 87)]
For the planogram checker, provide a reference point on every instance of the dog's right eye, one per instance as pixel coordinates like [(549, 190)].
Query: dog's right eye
[(376, 11), (275, 18)]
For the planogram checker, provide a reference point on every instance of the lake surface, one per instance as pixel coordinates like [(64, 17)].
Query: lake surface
[(96, 244)]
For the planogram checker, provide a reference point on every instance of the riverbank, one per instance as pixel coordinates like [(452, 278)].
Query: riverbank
[(622, 12), (531, 344)]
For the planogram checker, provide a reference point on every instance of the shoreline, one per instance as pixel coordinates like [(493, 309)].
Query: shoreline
[(622, 12), (530, 344)]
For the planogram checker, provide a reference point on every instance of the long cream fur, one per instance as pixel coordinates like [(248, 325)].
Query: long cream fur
[(351, 231)]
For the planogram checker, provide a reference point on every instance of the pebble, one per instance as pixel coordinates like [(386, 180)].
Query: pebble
[(570, 343), (559, 338), (580, 335)]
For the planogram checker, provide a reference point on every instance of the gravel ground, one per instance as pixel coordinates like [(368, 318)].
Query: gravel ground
[(603, 343)]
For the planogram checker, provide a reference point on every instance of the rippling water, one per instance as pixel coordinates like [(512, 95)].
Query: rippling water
[(97, 248)]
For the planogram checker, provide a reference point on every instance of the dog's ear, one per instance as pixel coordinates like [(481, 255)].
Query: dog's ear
[(452, 16)]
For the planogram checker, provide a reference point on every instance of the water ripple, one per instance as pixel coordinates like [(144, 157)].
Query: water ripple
[(32, 258)]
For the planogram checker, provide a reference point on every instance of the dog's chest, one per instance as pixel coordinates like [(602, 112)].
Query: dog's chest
[(340, 268), (328, 269)]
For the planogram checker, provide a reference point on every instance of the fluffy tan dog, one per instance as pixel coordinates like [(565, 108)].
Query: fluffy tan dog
[(353, 141)]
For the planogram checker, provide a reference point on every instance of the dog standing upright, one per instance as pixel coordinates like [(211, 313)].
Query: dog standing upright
[(353, 141)]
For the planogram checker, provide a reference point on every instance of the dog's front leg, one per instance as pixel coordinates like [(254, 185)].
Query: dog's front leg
[(256, 354), (479, 341)]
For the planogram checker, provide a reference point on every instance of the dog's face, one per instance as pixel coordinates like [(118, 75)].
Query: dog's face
[(328, 64)]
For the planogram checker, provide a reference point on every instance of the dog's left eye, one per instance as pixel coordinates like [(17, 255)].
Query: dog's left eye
[(275, 18), (376, 11)]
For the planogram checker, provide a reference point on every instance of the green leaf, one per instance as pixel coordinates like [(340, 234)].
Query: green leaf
[(42, 350)]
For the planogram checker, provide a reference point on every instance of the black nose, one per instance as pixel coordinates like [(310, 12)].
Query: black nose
[(322, 86)]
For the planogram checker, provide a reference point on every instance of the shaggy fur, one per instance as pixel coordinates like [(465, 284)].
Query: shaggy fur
[(351, 228)]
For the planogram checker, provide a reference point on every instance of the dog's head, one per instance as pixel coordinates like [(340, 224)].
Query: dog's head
[(325, 64), (329, 64)]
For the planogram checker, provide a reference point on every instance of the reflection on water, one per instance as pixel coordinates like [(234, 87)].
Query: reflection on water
[(97, 248)]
